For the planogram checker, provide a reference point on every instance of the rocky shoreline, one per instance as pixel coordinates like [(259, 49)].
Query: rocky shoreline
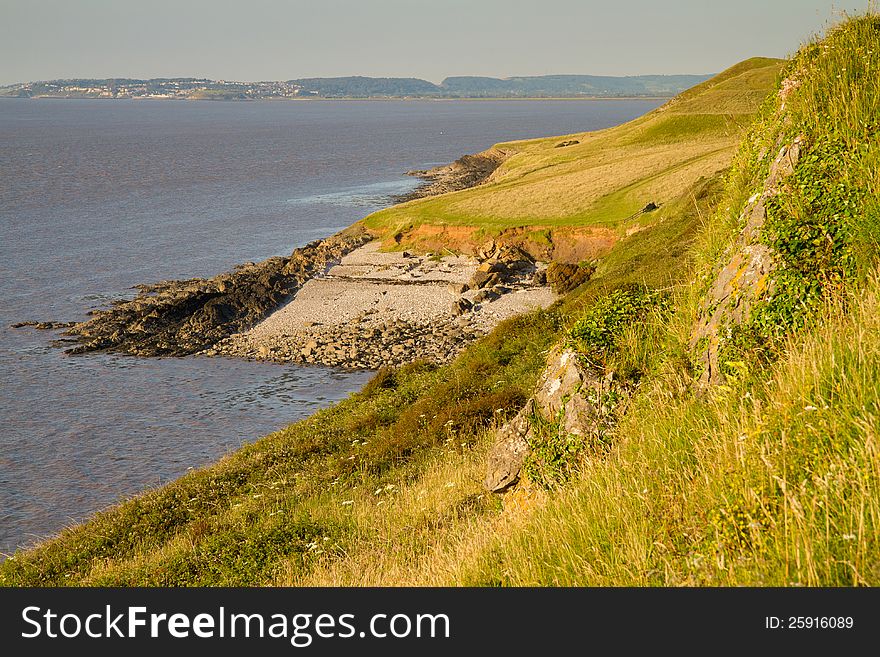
[(360, 346), (467, 171), (178, 318), (376, 309), (338, 302)]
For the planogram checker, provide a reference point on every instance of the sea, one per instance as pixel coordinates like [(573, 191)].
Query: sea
[(97, 196)]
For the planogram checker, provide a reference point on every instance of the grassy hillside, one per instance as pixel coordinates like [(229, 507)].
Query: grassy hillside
[(768, 479), (598, 182), (774, 477), (380, 477)]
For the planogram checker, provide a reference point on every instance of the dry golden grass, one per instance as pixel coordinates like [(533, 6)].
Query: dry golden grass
[(400, 526), (778, 487), (419, 533), (571, 191)]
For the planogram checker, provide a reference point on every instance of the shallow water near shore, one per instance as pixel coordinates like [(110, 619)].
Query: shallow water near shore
[(97, 196)]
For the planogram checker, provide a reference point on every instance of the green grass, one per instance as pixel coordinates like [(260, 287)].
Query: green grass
[(773, 478), (775, 487)]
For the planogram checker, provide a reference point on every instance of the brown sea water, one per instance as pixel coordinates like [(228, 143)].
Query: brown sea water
[(98, 196)]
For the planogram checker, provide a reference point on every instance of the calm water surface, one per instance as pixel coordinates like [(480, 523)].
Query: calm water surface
[(97, 196)]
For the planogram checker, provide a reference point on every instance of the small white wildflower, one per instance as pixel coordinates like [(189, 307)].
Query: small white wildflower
[(849, 537), (810, 408), (348, 503)]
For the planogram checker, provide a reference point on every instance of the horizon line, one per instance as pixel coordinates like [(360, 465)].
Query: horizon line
[(371, 77)]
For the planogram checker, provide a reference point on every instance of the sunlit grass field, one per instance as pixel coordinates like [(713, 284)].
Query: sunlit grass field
[(609, 174)]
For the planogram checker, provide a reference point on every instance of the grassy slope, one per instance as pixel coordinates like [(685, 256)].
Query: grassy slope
[(771, 480), (774, 479), (379, 478), (610, 174)]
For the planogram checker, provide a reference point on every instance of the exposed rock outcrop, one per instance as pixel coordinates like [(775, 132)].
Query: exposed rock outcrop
[(501, 266), (564, 277), (568, 395), (510, 448), (745, 279), (467, 171)]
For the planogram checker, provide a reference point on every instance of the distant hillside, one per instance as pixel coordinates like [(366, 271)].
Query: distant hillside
[(545, 86), (361, 87), (571, 85)]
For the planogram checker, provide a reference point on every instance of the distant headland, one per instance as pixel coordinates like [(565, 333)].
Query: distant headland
[(544, 86)]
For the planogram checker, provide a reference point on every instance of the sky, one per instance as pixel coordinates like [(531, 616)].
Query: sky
[(251, 40)]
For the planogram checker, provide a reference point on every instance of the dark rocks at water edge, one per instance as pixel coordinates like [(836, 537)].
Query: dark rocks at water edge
[(44, 326), (467, 171), (178, 318)]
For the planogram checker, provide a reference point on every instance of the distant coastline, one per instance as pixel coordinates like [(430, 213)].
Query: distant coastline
[(549, 87), (349, 99)]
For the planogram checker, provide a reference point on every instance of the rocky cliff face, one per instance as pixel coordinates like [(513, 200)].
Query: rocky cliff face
[(569, 397), (746, 276)]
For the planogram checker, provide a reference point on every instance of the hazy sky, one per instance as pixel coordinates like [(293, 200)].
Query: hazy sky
[(279, 40)]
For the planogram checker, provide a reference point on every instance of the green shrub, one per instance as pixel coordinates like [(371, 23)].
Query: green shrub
[(596, 333)]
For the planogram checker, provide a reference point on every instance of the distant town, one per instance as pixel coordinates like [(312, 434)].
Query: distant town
[(546, 86)]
